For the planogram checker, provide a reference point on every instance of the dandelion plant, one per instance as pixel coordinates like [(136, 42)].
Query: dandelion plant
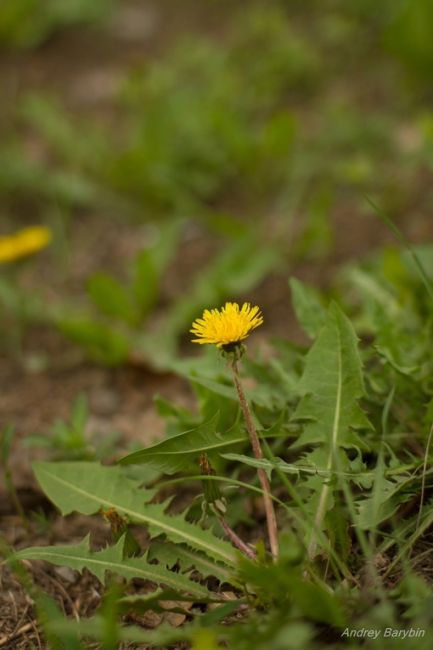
[(227, 328)]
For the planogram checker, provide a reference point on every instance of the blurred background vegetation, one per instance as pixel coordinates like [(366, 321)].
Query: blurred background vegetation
[(185, 153)]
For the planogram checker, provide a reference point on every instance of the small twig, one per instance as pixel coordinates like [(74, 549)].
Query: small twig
[(4, 640), (36, 631), (57, 584), (236, 540), (424, 472), (258, 453), (21, 618), (14, 605)]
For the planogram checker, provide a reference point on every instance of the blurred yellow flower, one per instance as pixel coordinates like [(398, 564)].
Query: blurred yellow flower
[(232, 324), (23, 243)]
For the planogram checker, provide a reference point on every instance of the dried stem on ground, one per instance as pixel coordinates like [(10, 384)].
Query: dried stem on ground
[(236, 540)]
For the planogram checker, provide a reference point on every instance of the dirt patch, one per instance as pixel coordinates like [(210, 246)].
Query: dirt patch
[(120, 400)]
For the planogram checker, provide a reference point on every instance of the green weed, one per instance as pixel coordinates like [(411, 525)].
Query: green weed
[(342, 427)]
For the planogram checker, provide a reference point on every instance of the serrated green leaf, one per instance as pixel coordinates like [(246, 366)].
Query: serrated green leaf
[(171, 554), (385, 499), (183, 450), (331, 387), (88, 487), (80, 556)]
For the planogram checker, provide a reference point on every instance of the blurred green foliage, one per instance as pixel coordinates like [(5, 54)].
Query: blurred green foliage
[(409, 37), (115, 327), (28, 23), (71, 439), (282, 125)]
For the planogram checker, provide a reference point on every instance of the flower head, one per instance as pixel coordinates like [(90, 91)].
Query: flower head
[(228, 326), (23, 243)]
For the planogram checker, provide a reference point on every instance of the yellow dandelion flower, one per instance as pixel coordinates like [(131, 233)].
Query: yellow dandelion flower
[(23, 243), (230, 325)]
